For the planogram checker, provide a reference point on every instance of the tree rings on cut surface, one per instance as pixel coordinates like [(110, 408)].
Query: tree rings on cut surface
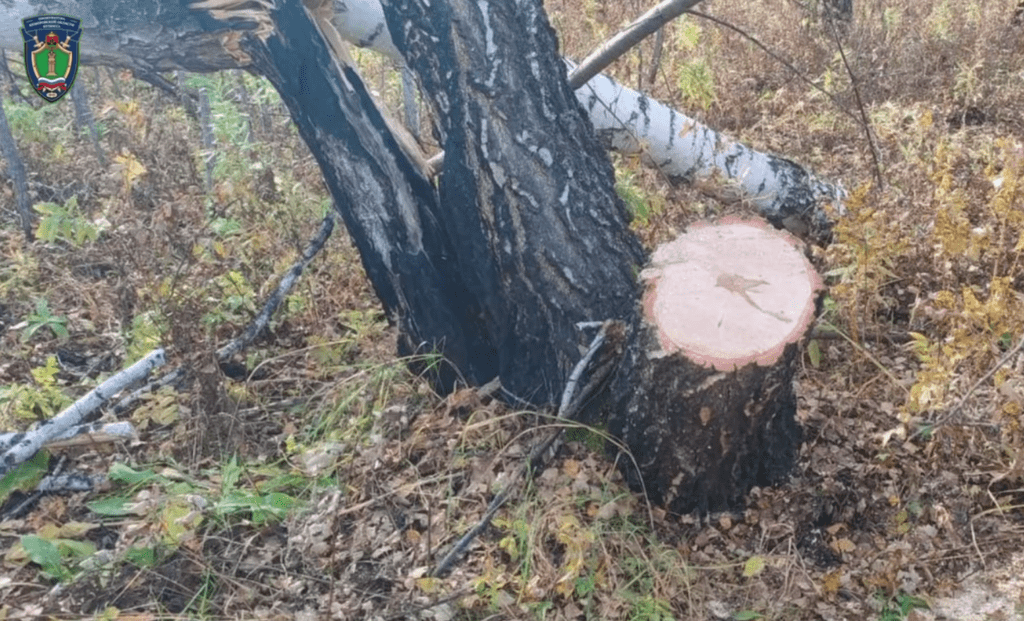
[(705, 398)]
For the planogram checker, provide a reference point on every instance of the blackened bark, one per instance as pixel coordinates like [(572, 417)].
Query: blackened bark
[(700, 437), (389, 208), (16, 170), (528, 193)]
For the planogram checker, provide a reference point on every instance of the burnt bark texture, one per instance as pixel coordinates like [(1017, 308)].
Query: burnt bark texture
[(16, 171), (389, 208), (527, 190), (144, 35), (701, 438)]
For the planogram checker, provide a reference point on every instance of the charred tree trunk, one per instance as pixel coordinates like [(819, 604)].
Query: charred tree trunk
[(704, 420), (525, 235), (543, 239)]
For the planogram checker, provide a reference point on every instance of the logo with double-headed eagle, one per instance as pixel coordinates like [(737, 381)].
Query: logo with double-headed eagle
[(51, 53)]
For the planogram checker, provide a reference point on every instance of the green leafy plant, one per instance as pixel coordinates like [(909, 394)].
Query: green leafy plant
[(641, 205), (25, 476), (259, 507), (898, 607), (147, 331), (237, 300), (697, 83), (695, 79), (43, 318), (65, 222), (648, 608), (35, 124), (57, 550)]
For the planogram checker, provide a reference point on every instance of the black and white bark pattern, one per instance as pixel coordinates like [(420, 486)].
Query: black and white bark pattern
[(390, 209), (543, 240), (155, 35), (121, 429), (148, 35), (784, 192)]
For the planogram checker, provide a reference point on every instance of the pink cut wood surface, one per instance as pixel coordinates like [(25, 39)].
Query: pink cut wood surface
[(729, 293)]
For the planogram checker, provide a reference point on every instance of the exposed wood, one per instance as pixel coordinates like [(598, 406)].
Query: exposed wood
[(523, 237), (390, 209)]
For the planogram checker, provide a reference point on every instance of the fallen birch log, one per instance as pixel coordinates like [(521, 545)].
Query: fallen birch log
[(22, 446), (94, 432), (784, 192)]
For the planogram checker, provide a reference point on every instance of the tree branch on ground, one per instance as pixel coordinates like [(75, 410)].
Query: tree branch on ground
[(23, 446), (573, 397)]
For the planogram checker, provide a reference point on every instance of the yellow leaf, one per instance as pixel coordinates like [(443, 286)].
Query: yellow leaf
[(845, 545), (831, 582), (753, 566), (508, 544), (178, 523), (48, 531), (925, 120), (571, 467), (73, 530), (428, 585), (131, 168)]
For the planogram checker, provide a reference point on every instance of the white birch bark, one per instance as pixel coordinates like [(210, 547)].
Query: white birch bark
[(22, 446), (684, 149)]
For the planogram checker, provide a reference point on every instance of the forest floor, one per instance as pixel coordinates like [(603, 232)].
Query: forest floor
[(317, 477)]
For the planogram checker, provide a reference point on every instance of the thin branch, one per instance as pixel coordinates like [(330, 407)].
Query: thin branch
[(945, 418), (646, 25), (274, 301), (96, 431), (659, 46), (865, 122), (568, 408), (782, 61), (257, 325)]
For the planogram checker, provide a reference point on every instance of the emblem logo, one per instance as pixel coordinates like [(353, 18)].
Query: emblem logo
[(51, 53)]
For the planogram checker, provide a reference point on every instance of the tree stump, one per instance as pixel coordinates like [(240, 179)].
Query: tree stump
[(704, 399)]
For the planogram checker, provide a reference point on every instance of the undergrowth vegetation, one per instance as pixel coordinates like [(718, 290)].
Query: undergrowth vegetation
[(317, 475)]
